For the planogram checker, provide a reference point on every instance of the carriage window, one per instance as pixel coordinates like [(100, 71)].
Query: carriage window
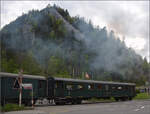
[(106, 87), (126, 87), (69, 87), (113, 87), (90, 86), (41, 83), (80, 86), (99, 86), (58, 85)]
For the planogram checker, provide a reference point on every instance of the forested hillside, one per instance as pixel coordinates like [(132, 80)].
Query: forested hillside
[(52, 43)]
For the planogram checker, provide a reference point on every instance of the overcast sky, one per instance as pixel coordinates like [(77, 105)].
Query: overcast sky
[(129, 20)]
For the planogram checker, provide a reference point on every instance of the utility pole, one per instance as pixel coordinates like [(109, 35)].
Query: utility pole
[(20, 89)]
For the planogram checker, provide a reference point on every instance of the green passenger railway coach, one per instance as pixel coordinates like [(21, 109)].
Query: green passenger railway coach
[(62, 90)]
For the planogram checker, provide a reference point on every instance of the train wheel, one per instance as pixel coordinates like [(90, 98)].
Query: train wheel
[(79, 101), (73, 102), (117, 99), (57, 103), (123, 99), (60, 103)]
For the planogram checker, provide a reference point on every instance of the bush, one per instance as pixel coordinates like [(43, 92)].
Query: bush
[(137, 91), (11, 107)]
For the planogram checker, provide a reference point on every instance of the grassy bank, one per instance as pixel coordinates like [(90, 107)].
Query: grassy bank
[(141, 96), (13, 107)]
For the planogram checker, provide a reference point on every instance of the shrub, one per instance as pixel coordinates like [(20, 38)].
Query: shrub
[(137, 91), (11, 107)]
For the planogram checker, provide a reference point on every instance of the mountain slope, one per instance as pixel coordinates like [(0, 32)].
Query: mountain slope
[(51, 42)]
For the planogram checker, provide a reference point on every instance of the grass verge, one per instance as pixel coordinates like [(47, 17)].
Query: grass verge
[(13, 107), (141, 96)]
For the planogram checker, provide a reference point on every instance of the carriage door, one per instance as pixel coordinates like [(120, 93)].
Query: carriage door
[(50, 87), (107, 91), (41, 88), (59, 89)]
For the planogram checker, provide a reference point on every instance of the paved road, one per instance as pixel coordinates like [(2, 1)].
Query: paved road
[(128, 107)]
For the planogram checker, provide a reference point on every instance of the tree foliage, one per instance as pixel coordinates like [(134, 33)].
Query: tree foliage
[(44, 43)]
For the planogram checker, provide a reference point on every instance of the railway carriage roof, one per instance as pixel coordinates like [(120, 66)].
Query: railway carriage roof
[(3, 74), (92, 81)]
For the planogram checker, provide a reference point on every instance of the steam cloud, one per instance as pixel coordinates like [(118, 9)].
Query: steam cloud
[(111, 54)]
